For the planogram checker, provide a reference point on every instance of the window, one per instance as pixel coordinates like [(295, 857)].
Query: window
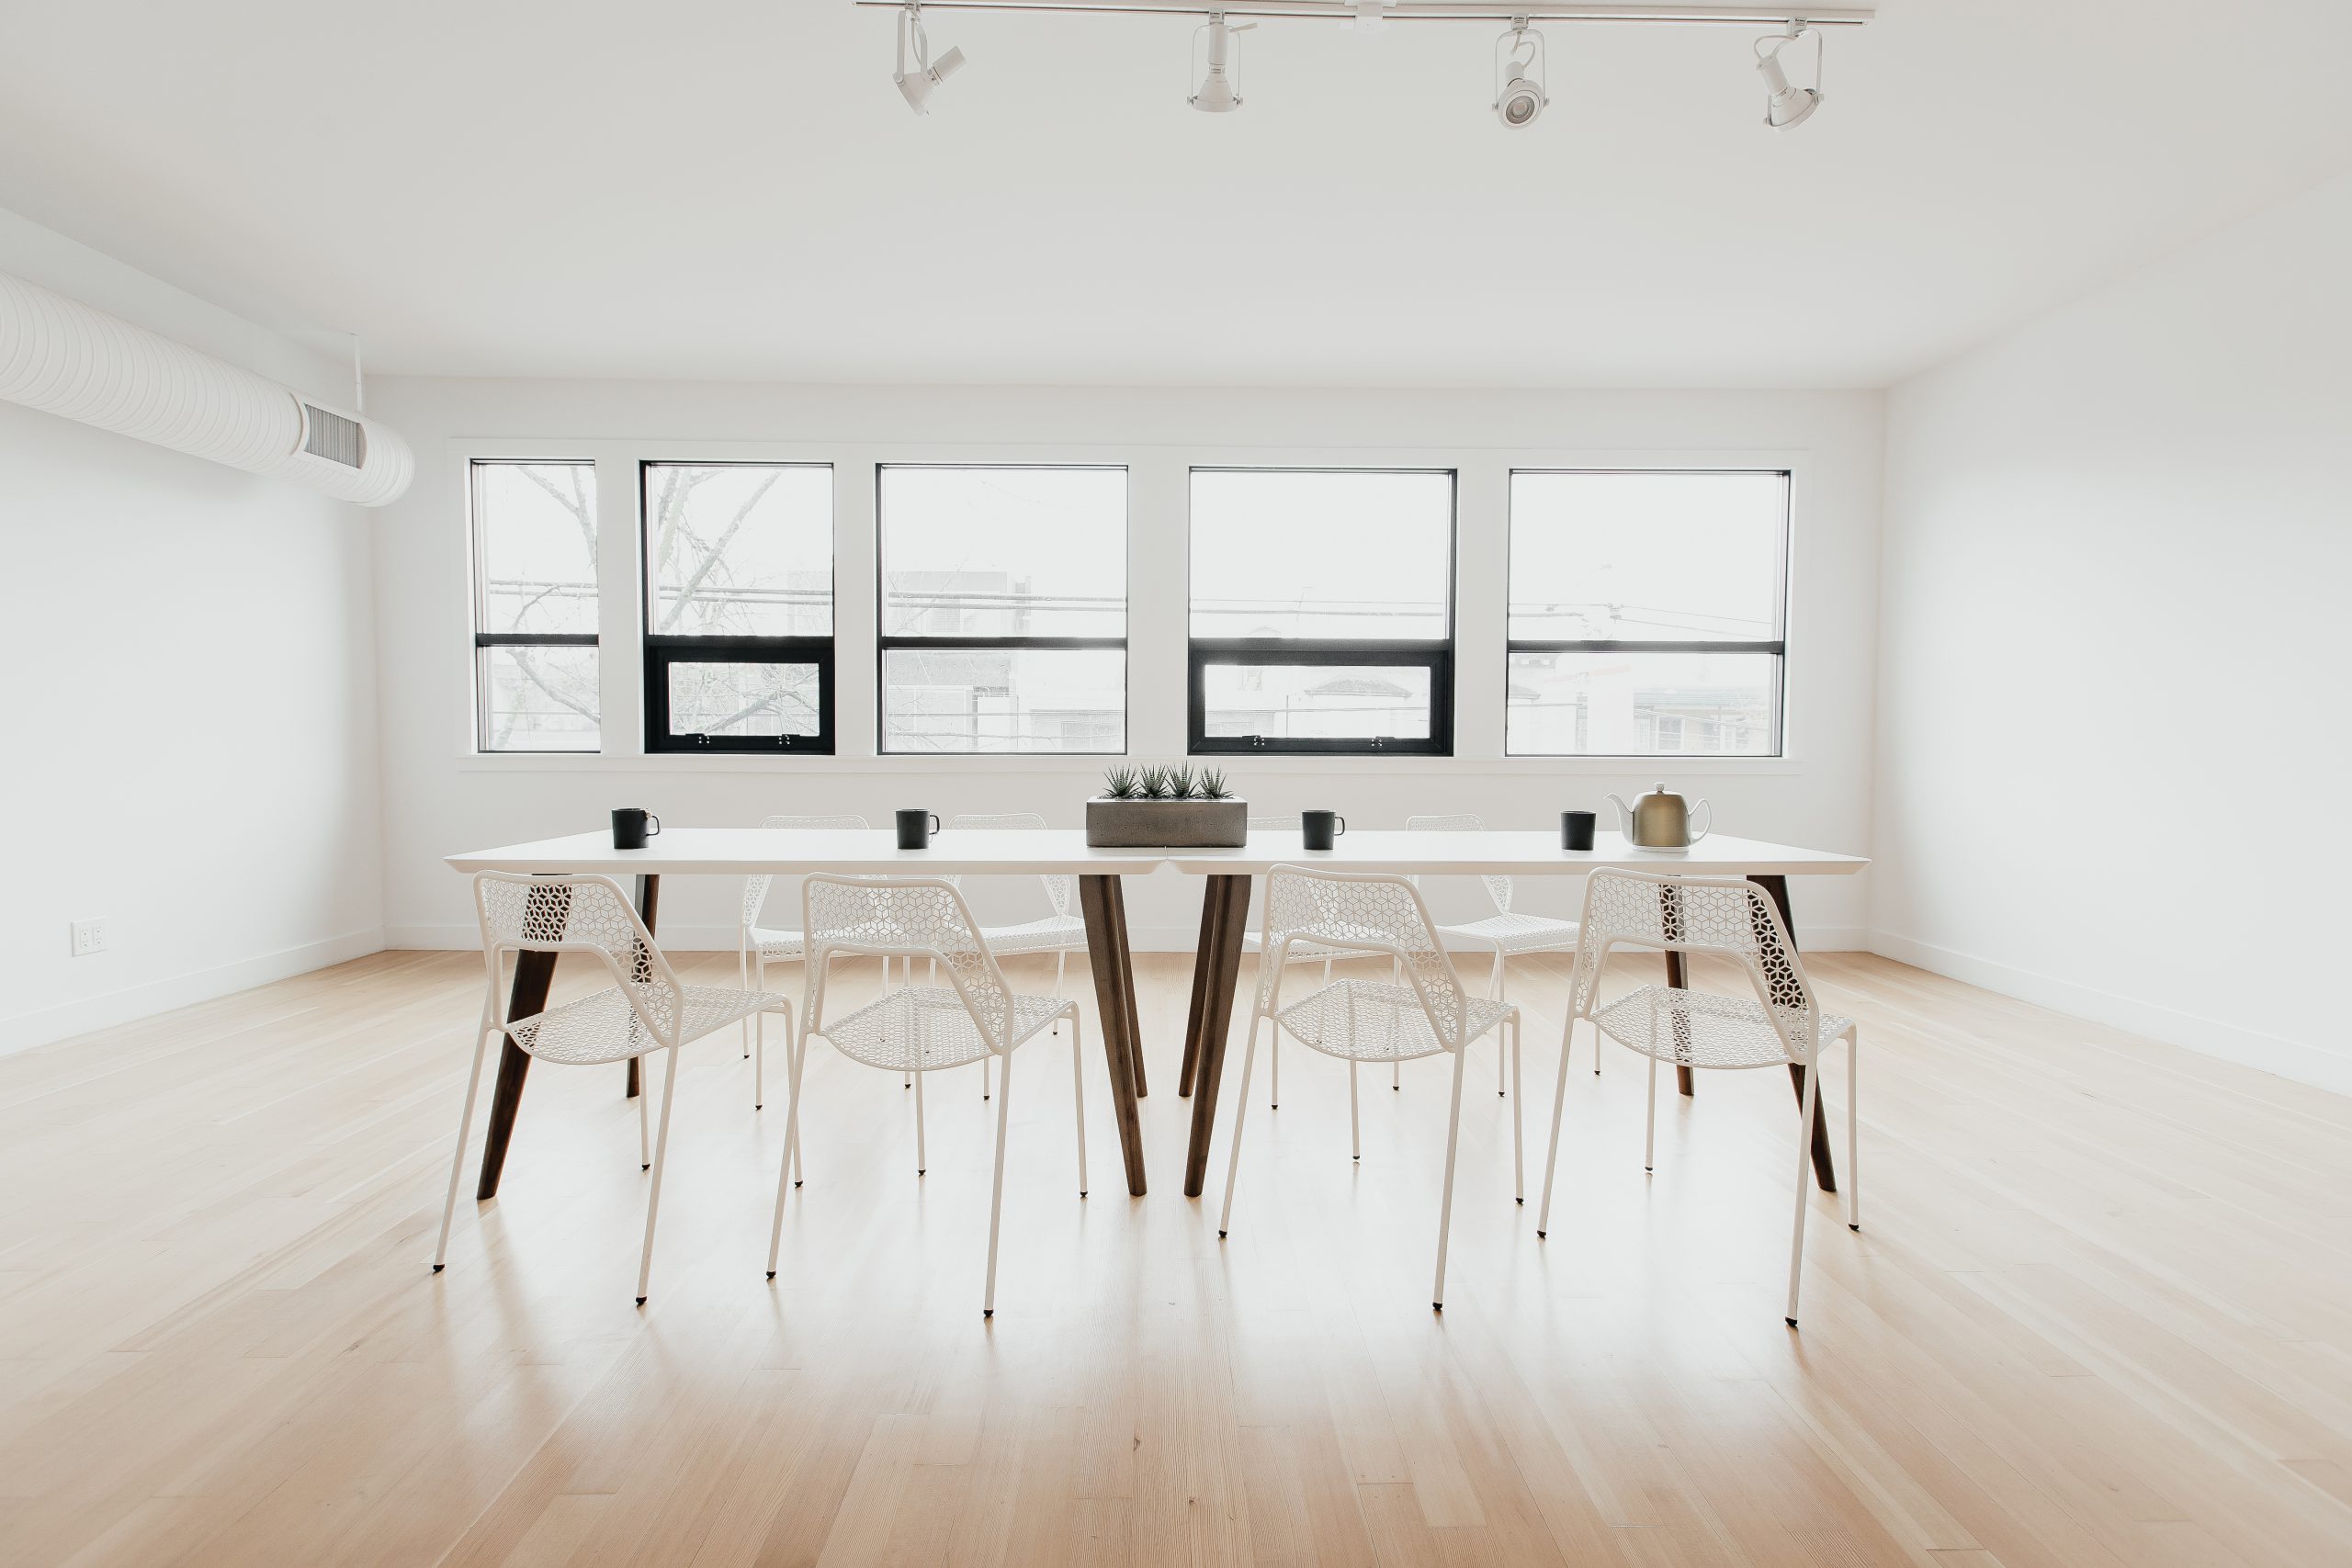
[(534, 606), (739, 606), (1322, 611), (1646, 613), (1004, 609)]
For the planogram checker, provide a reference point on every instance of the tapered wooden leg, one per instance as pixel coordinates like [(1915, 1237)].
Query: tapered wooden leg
[(1824, 1167), (529, 995), (1212, 912), (1223, 965), (1114, 984), (1127, 989), (648, 909), (1670, 900), (1676, 977)]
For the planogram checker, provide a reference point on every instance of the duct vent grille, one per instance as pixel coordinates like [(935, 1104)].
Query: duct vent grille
[(333, 437)]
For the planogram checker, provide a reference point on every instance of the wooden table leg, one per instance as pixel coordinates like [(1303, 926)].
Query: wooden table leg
[(1223, 963), (1127, 985), (1114, 984), (648, 909), (1677, 977), (1825, 1170), (1212, 913), (529, 995)]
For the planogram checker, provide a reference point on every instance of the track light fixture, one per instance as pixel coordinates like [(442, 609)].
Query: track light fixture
[(1217, 93), (915, 85), (1787, 107), (1519, 76)]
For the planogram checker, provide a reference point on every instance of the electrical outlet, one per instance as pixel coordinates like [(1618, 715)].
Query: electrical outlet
[(89, 936)]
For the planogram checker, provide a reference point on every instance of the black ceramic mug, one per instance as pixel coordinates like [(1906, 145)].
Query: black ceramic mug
[(1319, 828), (1575, 829), (915, 829), (632, 826)]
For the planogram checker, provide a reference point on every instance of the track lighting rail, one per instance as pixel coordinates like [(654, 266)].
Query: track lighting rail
[(1429, 11)]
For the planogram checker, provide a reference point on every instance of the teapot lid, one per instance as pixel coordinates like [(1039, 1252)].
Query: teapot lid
[(1658, 788)]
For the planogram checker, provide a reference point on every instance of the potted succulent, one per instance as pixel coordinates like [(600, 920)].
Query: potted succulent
[(1160, 807)]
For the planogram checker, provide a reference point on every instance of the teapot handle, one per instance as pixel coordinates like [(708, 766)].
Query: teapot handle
[(1705, 806)]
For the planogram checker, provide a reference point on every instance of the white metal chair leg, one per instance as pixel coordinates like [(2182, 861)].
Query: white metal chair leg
[(1496, 987), (1559, 1103), (1396, 1064), (644, 1152), (1275, 1069), (743, 979), (1240, 1114), (1853, 1133), (1355, 1122), (465, 1126), (791, 1052), (1649, 1127), (1518, 1126), (921, 1163), (1061, 962), (1445, 1202), (996, 1189), (799, 1054), (1804, 1179), (661, 1158), (1078, 1084)]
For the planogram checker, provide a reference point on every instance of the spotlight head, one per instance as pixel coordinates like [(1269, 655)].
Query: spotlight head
[(915, 83), (1787, 107), (1217, 93), (1518, 76)]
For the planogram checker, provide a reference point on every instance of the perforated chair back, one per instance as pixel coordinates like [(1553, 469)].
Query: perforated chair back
[(906, 917), (1497, 888), (755, 888), (1727, 917), (1364, 912), (1060, 891), (580, 914)]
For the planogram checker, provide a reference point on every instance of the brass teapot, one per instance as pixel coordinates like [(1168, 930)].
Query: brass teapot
[(1660, 820)]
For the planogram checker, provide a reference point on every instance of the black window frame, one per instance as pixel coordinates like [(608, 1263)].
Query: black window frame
[(483, 640), (1436, 655), (886, 642), (661, 650), (1776, 646)]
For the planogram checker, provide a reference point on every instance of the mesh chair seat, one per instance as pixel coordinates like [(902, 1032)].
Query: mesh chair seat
[(603, 1027), (1516, 933), (1700, 1028), (770, 943), (1054, 933), (928, 1029), (1300, 952), (1365, 1021)]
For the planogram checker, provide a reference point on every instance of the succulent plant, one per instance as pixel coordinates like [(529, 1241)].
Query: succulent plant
[(1212, 785), (1121, 784), (1181, 782), (1154, 781)]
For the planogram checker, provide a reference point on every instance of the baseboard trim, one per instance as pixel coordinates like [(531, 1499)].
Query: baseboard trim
[(2293, 1059), (1141, 938), (25, 1030)]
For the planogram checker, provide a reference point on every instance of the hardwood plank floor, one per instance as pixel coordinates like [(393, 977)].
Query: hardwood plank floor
[(2101, 1312)]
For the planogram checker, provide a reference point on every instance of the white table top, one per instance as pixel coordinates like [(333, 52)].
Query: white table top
[(738, 852)]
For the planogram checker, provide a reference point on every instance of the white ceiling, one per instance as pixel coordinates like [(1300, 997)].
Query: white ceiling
[(731, 189)]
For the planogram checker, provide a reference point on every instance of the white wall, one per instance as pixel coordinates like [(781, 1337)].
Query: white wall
[(189, 708), (2116, 698), (440, 799)]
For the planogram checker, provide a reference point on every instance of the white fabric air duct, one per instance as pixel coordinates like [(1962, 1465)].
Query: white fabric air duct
[(59, 355)]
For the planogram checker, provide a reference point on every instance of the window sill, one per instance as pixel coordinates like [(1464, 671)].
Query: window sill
[(1241, 768)]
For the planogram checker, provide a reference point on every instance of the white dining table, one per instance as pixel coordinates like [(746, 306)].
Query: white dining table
[(1225, 910)]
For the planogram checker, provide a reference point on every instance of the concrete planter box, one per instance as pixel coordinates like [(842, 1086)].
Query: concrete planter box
[(1167, 824)]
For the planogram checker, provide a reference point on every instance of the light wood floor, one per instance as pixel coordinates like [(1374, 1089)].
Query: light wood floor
[(2100, 1313)]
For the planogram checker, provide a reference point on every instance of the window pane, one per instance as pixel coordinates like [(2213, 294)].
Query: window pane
[(1320, 701), (1004, 552), (539, 699), (1643, 703), (1667, 558), (739, 549), (535, 529), (1327, 556), (1005, 699), (743, 699)]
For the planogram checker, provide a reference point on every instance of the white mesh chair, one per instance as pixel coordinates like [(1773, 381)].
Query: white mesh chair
[(1060, 934), (757, 947), (1300, 953), (918, 1029), (1783, 1026), (645, 1009), (1507, 931), (1360, 1021)]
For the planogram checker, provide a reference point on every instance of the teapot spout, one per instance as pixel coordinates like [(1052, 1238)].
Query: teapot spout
[(1624, 817)]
